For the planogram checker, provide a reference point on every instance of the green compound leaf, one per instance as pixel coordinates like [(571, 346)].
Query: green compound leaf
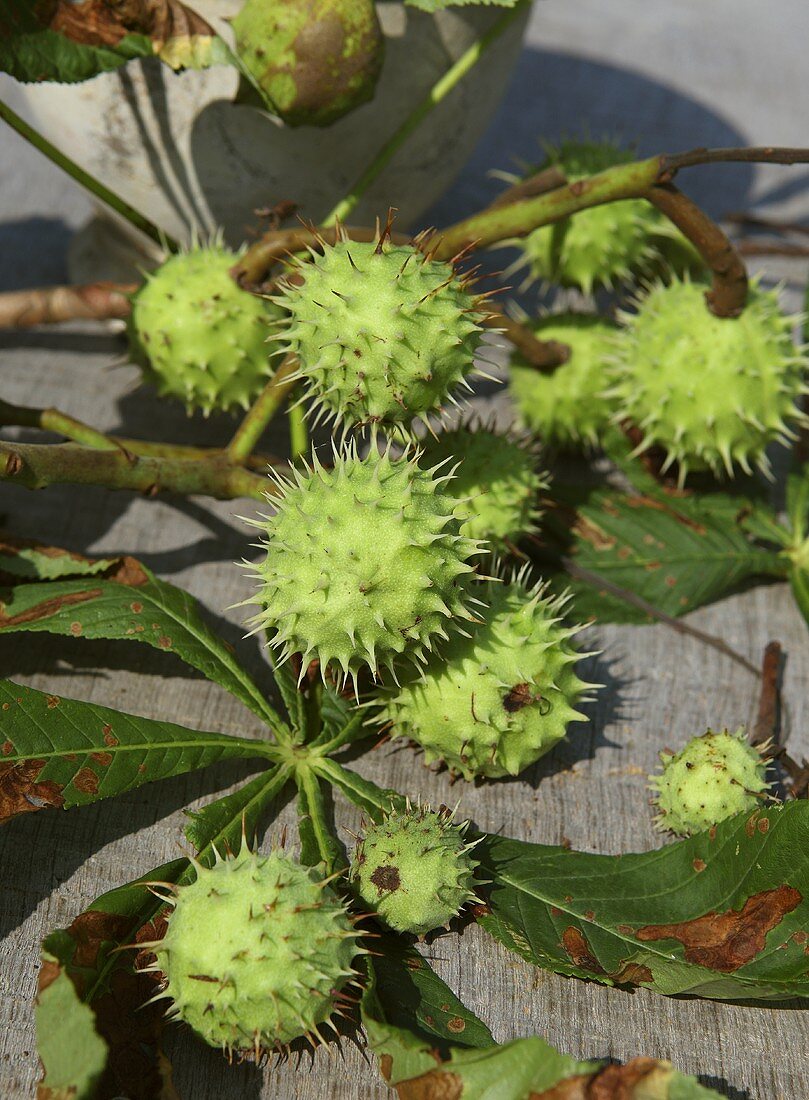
[(364, 793), (65, 41), (21, 559), (105, 978), (675, 553), (57, 752), (123, 601), (412, 1018), (319, 846), (72, 1052), (431, 1047), (723, 914)]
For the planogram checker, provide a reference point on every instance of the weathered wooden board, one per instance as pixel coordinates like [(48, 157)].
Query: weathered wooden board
[(660, 686)]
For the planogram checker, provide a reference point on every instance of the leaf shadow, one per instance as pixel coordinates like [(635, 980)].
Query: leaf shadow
[(40, 851)]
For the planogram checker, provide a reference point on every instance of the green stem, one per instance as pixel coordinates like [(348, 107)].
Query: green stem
[(115, 202), (453, 76), (52, 420), (518, 219), (262, 411), (298, 430), (35, 466)]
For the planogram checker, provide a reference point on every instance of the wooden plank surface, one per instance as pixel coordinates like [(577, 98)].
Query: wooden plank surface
[(661, 687)]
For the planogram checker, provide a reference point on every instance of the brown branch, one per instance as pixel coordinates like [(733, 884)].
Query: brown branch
[(756, 154), (773, 224), (768, 721), (50, 305), (544, 355), (277, 244), (762, 248), (728, 295)]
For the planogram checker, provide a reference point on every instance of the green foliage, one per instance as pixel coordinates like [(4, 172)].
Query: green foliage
[(567, 408), (198, 336), (49, 42), (719, 915), (312, 60), (397, 337), (73, 1054), (124, 601), (493, 703), (60, 752), (714, 777), (674, 552), (730, 386), (375, 569), (429, 1044)]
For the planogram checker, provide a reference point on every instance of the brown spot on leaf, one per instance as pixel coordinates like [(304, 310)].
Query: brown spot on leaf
[(164, 641), (104, 758), (128, 571), (726, 941), (577, 947), (137, 607), (76, 629), (763, 824), (480, 910), (47, 608), (49, 971), (8, 748), (86, 781), (109, 738), (625, 929), (585, 529), (699, 865), (456, 1025), (52, 701), (632, 974), (21, 793), (386, 879)]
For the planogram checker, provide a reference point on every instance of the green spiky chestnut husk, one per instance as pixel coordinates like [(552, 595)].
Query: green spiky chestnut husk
[(568, 407), (604, 245), (365, 561), (313, 60), (256, 953), (713, 392), (382, 333), (414, 870), (497, 474), (492, 704), (714, 777), (200, 337)]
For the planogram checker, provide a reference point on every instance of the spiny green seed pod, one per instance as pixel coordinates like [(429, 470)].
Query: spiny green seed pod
[(382, 333), (365, 561), (567, 408), (714, 392), (257, 952), (313, 60), (498, 474), (493, 703), (414, 869), (604, 245), (200, 337), (714, 777)]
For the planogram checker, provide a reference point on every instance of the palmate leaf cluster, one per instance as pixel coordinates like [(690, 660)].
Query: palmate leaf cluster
[(637, 919)]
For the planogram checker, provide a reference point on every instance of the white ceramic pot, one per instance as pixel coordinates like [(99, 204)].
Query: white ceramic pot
[(177, 148)]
